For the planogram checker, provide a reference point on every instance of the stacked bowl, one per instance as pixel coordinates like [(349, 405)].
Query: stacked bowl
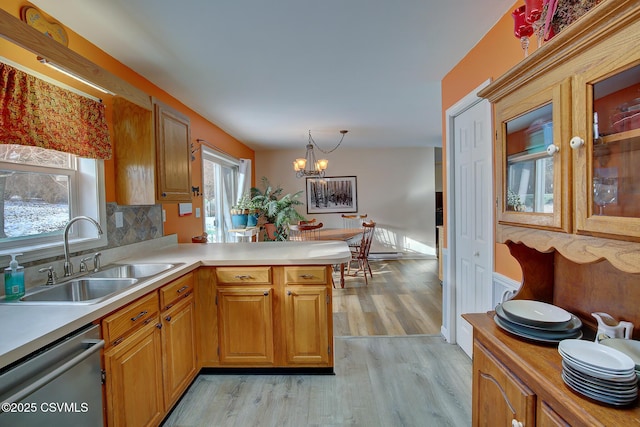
[(537, 321), (599, 372)]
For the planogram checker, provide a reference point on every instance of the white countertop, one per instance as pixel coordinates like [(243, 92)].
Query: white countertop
[(26, 328)]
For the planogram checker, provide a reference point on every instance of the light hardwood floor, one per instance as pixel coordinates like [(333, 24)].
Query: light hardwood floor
[(392, 368), (404, 297)]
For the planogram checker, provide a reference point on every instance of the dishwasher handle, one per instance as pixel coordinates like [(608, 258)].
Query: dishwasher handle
[(46, 379)]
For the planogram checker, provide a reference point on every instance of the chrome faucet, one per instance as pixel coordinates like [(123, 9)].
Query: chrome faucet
[(68, 267)]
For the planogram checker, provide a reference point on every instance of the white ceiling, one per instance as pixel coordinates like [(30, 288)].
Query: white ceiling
[(268, 71)]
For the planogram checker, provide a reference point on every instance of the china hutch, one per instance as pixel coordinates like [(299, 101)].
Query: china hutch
[(567, 174)]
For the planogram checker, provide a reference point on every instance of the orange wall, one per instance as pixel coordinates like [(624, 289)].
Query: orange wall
[(184, 227), (492, 56)]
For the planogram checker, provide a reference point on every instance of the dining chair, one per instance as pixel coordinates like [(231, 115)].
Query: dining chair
[(360, 253), (353, 221), (304, 231)]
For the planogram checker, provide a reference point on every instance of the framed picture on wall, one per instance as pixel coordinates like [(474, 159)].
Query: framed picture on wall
[(335, 194)]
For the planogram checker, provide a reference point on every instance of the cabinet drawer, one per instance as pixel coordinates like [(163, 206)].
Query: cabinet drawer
[(175, 290), (311, 275), (246, 275), (119, 324)]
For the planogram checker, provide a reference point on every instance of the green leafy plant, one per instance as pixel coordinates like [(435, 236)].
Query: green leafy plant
[(276, 208), (244, 204)]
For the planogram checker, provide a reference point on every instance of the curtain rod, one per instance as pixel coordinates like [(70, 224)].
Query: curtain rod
[(47, 78)]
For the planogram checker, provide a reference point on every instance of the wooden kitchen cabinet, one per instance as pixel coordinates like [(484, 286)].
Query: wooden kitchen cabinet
[(173, 152), (152, 154), (265, 316), (577, 250), (499, 398), (516, 379), (179, 363), (133, 375), (150, 354), (178, 349), (579, 94), (245, 325), (306, 325)]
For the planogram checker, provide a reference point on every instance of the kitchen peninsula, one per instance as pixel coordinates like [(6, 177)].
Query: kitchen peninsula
[(29, 327)]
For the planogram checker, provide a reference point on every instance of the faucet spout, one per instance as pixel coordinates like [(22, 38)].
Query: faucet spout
[(68, 267)]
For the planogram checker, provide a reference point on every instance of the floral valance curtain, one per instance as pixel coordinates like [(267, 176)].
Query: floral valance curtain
[(37, 113)]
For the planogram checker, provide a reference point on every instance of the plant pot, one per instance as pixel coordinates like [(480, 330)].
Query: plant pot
[(239, 221), (271, 231), (252, 219)]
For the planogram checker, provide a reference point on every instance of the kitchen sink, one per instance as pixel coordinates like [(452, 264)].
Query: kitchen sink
[(133, 271), (83, 290)]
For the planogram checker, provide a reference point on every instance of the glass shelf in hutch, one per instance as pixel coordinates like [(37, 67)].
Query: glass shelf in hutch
[(608, 192), (529, 131)]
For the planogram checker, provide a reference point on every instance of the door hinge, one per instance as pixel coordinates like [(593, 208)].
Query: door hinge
[(328, 299), (103, 377), (329, 350)]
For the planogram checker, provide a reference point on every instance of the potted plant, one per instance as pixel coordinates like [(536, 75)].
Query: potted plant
[(277, 210), (240, 212)]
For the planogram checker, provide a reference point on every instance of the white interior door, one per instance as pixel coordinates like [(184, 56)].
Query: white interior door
[(472, 215)]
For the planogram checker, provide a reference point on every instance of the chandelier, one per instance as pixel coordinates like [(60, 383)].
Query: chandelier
[(316, 167)]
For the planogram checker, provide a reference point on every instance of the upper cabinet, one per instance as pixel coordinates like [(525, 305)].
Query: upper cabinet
[(608, 189), (530, 166), (173, 173), (567, 122), (152, 154)]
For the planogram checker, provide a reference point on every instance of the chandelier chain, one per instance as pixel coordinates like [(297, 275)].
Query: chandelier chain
[(320, 149)]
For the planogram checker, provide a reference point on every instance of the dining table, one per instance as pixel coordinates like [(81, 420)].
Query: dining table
[(344, 234)]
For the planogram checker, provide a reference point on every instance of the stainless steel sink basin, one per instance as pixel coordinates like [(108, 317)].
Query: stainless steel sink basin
[(135, 271), (83, 290)]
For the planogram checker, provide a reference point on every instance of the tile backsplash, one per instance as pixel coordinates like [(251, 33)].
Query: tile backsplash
[(140, 223)]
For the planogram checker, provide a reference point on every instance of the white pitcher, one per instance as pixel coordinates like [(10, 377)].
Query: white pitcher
[(610, 327)]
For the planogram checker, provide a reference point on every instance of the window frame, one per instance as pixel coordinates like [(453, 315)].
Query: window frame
[(86, 179)]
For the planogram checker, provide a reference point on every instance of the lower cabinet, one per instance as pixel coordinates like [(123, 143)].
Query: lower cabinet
[(150, 359), (305, 321), (178, 349), (134, 379), (245, 324), (499, 398)]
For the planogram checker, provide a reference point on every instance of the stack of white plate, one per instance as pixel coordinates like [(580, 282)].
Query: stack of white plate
[(537, 321), (629, 347), (599, 372)]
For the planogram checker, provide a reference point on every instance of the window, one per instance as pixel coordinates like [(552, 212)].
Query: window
[(220, 183), (40, 191)]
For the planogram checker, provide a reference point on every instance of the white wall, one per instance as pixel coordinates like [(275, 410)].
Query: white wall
[(395, 188)]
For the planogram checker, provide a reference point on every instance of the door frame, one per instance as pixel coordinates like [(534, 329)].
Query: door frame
[(449, 315)]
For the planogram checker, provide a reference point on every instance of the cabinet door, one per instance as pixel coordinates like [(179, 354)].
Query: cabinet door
[(178, 349), (607, 176), (547, 417), (173, 137), (134, 379), (134, 154), (245, 322), (499, 397), (531, 178), (306, 325)]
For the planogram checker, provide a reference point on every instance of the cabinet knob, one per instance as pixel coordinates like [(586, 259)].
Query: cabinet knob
[(289, 293), (576, 142), (168, 318), (552, 149), (266, 293)]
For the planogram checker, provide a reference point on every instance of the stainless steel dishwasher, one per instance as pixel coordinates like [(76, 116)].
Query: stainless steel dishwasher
[(60, 385)]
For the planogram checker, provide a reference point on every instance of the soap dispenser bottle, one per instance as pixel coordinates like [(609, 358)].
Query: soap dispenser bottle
[(14, 279)]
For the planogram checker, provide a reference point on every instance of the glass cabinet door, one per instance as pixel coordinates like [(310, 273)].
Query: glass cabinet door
[(609, 194), (529, 150)]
